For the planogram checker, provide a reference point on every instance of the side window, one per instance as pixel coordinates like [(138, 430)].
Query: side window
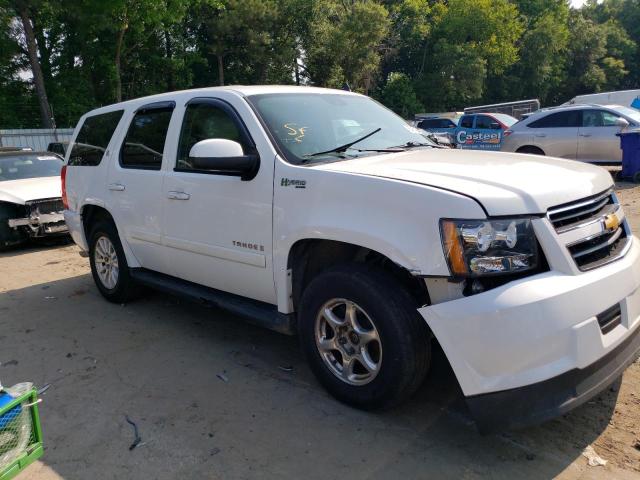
[(203, 121), (572, 118), (609, 119), (467, 121), (592, 118), (143, 146), (429, 124), (93, 139), (484, 121)]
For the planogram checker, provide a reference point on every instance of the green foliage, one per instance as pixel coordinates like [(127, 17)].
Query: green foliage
[(398, 95), (412, 54), (344, 42)]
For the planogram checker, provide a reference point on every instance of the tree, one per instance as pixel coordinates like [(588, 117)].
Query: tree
[(24, 10), (398, 94), (344, 43), (540, 70), (471, 40)]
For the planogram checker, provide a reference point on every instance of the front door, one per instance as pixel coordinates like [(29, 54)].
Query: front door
[(218, 228), (597, 140), (134, 184)]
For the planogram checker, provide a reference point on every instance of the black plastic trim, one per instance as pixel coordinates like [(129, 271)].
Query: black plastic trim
[(248, 145), (256, 312), (536, 403)]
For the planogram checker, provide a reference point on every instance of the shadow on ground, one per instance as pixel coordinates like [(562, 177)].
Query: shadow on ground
[(214, 397), (36, 245)]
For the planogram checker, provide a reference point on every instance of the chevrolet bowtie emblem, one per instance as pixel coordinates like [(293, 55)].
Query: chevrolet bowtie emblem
[(611, 222)]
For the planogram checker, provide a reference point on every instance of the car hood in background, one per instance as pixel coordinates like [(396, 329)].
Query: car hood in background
[(21, 191), (504, 183)]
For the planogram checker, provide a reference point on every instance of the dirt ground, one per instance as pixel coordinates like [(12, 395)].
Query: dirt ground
[(216, 398)]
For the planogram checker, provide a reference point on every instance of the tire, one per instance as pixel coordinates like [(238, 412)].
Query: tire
[(530, 150), (401, 354), (118, 287)]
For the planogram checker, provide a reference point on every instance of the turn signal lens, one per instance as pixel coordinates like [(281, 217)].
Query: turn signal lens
[(453, 248)]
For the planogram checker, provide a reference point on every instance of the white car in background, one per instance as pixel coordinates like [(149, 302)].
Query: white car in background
[(577, 132), (30, 197)]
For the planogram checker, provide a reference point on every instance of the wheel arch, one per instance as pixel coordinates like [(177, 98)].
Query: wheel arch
[(308, 257), (90, 213), (531, 149)]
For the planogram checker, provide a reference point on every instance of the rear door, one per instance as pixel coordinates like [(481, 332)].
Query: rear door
[(557, 133), (218, 228), (597, 140), (134, 186)]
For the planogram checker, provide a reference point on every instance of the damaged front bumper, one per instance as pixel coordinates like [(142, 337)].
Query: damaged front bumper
[(537, 347), (41, 218), (50, 223)]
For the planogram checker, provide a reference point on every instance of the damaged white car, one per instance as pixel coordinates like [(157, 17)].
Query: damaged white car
[(30, 197)]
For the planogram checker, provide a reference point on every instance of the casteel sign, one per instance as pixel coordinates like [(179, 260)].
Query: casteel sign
[(479, 139)]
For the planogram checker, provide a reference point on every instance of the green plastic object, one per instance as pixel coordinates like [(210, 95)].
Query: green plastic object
[(21, 435)]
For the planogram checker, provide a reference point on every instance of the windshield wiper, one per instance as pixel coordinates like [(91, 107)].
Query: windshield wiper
[(345, 147), (415, 145)]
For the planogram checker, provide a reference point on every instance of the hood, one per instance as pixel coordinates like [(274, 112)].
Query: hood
[(504, 183), (21, 191)]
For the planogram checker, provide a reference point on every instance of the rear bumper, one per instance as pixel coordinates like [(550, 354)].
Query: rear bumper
[(542, 401), (76, 229)]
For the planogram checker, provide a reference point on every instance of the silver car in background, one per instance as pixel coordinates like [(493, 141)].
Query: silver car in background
[(577, 132)]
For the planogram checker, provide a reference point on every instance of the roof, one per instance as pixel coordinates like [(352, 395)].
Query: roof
[(575, 106), (16, 153), (244, 90)]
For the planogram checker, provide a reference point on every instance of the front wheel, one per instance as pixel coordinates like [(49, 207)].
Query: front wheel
[(363, 337)]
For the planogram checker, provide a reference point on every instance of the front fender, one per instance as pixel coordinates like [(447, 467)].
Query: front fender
[(397, 219)]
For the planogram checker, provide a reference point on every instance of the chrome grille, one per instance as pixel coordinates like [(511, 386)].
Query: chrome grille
[(565, 217), (46, 205), (593, 230)]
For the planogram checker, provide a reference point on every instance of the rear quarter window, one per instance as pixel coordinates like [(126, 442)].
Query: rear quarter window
[(93, 139)]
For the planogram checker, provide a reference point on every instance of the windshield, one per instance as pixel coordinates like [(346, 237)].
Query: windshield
[(304, 124), (19, 167), (629, 112)]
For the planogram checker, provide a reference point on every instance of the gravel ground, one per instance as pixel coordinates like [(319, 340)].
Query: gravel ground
[(216, 398)]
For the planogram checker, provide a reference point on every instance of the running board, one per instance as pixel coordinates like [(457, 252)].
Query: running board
[(256, 312)]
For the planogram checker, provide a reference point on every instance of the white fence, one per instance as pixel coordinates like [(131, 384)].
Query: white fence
[(37, 138)]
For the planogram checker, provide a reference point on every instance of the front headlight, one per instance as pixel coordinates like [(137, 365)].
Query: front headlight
[(489, 247)]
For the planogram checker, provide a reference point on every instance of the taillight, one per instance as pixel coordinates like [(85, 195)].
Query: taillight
[(63, 179), (507, 133)]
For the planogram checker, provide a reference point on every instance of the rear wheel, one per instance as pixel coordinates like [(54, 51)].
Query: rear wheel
[(109, 264), (363, 337), (530, 149)]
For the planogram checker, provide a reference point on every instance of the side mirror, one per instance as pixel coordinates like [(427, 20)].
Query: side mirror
[(622, 123), (224, 157)]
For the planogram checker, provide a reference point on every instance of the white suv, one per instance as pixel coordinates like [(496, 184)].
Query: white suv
[(323, 213)]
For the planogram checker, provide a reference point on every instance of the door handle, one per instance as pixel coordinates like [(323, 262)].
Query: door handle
[(585, 134), (116, 187), (540, 135), (178, 196)]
